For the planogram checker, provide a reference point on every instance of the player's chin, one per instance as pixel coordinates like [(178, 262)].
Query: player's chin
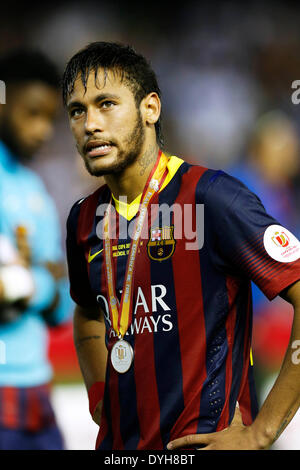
[(101, 166)]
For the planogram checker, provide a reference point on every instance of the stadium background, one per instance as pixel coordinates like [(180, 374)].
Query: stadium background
[(221, 66)]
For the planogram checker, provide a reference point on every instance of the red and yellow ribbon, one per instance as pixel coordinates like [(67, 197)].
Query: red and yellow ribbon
[(121, 314)]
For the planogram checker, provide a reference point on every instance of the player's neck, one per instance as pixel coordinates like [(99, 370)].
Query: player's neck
[(132, 180)]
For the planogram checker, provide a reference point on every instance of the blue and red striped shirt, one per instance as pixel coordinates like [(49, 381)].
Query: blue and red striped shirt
[(192, 312), (26, 408)]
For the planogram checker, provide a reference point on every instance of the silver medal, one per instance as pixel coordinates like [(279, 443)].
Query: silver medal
[(121, 356)]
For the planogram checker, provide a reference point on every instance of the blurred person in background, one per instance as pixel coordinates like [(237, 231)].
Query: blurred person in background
[(270, 166), (33, 287)]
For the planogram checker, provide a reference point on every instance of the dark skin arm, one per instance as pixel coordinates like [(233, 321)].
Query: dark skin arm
[(276, 412), (89, 339)]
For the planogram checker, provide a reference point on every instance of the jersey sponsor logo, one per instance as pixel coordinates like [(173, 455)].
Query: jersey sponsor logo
[(147, 324), (281, 245), (153, 317), (161, 244)]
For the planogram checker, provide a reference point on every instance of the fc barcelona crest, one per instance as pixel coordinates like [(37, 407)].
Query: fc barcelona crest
[(161, 244)]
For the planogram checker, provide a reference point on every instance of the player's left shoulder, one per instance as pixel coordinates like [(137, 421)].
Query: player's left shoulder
[(209, 185), (218, 186)]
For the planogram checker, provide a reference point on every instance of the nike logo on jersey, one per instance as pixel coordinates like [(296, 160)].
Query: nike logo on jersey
[(91, 257)]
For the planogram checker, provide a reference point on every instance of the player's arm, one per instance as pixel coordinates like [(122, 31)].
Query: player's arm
[(89, 339), (284, 398), (277, 411)]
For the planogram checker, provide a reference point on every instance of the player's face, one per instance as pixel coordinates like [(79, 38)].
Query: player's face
[(107, 126), (27, 118)]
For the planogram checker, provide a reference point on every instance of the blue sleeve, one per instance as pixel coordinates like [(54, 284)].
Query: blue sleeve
[(80, 289), (238, 221)]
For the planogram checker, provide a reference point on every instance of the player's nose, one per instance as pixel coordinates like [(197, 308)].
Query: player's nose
[(93, 122)]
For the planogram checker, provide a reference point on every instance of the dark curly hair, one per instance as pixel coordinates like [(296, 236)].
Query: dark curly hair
[(28, 65), (133, 68)]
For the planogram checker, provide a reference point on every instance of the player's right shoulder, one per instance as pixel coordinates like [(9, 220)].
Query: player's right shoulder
[(87, 204)]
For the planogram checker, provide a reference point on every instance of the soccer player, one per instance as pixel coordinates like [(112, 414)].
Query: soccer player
[(164, 313), (33, 286)]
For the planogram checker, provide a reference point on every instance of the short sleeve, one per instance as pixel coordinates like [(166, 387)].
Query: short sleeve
[(248, 240), (80, 289)]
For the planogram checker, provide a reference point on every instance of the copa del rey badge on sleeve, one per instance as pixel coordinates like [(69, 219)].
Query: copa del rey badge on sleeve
[(121, 312)]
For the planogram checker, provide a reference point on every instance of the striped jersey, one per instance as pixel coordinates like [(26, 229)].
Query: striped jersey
[(26, 408), (192, 310)]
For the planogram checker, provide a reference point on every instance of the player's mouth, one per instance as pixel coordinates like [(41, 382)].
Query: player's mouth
[(96, 148)]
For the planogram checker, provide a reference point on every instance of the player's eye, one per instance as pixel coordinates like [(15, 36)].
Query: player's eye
[(107, 104), (75, 112)]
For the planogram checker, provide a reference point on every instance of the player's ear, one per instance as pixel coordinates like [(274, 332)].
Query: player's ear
[(150, 108)]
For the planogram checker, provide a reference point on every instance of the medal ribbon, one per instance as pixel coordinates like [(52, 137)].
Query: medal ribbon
[(121, 313)]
